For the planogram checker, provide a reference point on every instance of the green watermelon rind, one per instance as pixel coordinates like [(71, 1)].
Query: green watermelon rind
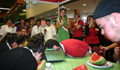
[(42, 65), (101, 61)]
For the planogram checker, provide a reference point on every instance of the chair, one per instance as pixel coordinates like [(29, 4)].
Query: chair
[(99, 51)]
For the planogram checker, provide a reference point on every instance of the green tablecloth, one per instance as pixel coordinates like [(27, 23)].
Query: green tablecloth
[(70, 63)]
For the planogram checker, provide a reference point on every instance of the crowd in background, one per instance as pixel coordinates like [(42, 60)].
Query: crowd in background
[(34, 35)]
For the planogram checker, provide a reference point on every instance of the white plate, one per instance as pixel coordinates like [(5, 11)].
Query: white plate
[(107, 65)]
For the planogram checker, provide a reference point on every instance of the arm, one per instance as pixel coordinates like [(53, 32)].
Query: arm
[(79, 25), (69, 25), (32, 32), (57, 22), (73, 28), (110, 46), (54, 31)]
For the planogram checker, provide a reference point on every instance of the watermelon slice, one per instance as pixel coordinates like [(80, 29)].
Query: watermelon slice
[(81, 67), (41, 65), (97, 60)]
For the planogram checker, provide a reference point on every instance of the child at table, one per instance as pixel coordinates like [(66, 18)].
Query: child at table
[(71, 47)]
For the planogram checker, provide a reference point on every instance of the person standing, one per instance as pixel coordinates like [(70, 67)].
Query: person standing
[(22, 21), (31, 25), (37, 28), (93, 36), (63, 25), (109, 22), (5, 28), (49, 31), (77, 28), (13, 28)]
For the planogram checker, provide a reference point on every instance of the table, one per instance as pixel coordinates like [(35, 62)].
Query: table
[(71, 62)]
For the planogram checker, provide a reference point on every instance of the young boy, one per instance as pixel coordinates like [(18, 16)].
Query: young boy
[(71, 47)]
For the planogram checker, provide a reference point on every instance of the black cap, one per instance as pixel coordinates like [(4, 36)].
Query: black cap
[(106, 7)]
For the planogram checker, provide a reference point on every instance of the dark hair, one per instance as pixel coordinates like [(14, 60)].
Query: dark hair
[(36, 43), (51, 42), (38, 20), (7, 20), (48, 20), (32, 18), (22, 28), (13, 37), (13, 22), (77, 14), (22, 19)]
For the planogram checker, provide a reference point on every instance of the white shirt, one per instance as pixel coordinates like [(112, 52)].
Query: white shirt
[(51, 33), (36, 30), (13, 29), (4, 30)]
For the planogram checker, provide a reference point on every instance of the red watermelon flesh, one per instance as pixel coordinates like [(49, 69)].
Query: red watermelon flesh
[(81, 67), (95, 57), (97, 60), (41, 65)]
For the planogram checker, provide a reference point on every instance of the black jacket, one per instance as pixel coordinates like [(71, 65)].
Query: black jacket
[(17, 59)]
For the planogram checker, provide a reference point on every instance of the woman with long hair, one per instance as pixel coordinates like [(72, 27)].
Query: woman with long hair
[(63, 25)]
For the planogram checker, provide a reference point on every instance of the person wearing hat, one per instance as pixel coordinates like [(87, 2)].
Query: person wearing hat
[(37, 28), (77, 28), (63, 25), (5, 28), (107, 15)]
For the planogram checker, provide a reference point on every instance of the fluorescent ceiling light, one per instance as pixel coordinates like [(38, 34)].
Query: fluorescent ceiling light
[(84, 11), (41, 16), (5, 8), (56, 12), (84, 4), (48, 14), (0, 11)]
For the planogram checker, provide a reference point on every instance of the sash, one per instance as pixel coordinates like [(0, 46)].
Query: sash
[(63, 26)]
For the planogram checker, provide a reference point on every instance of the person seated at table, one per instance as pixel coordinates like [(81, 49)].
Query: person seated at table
[(71, 47), (23, 58), (11, 41)]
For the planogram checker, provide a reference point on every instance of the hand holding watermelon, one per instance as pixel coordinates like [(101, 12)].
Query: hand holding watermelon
[(41, 65)]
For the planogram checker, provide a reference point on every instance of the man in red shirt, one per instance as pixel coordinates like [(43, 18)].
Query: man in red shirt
[(71, 47)]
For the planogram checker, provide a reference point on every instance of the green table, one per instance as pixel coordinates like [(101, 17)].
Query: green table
[(70, 63)]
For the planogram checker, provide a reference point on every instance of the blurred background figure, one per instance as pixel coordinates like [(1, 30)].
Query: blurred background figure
[(49, 31), (37, 28), (22, 21), (5, 28), (31, 25), (27, 25), (13, 28), (77, 28), (93, 33), (63, 25)]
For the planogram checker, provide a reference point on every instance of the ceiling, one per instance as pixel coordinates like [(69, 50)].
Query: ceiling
[(6, 4), (77, 5)]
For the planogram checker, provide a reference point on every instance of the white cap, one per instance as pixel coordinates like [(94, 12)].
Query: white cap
[(62, 7), (48, 64)]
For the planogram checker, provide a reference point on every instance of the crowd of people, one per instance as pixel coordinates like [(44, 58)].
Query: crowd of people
[(23, 45)]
